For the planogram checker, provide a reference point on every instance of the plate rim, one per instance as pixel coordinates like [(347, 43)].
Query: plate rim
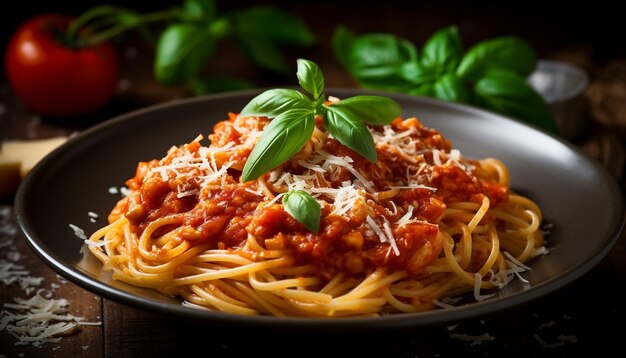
[(420, 319)]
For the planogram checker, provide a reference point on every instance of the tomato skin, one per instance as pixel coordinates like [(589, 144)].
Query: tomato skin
[(55, 80)]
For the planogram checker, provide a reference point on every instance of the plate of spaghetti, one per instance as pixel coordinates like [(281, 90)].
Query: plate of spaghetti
[(462, 213)]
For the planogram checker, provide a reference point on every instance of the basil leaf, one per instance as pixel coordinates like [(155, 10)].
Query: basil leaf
[(383, 79), (342, 43), (182, 50), (506, 92), (271, 25), (381, 50), (310, 77), (302, 207), (350, 131), (263, 52), (216, 84), (443, 51), (199, 10), (508, 53), (281, 139), (416, 73), (373, 110), (425, 89), (376, 61), (450, 88), (272, 103)]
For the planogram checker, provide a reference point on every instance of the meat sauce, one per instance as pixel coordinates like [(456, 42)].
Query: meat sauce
[(224, 215)]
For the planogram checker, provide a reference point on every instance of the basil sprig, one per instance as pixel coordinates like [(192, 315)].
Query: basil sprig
[(491, 74), (190, 41), (293, 115), (193, 31), (293, 121)]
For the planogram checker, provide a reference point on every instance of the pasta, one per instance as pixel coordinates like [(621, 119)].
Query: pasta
[(420, 225)]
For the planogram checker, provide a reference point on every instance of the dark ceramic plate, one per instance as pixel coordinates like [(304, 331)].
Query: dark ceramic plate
[(576, 195)]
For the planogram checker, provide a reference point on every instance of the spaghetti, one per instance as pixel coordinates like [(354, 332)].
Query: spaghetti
[(399, 235)]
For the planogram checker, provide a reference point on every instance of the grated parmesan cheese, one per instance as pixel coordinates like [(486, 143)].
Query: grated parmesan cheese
[(476, 340), (478, 279), (388, 237), (80, 233), (11, 272), (38, 320), (125, 191)]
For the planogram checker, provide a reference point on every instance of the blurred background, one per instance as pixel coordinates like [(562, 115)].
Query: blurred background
[(588, 35)]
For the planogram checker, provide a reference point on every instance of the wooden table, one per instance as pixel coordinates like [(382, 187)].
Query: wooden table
[(586, 317)]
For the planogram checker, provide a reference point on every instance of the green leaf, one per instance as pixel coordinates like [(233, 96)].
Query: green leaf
[(375, 50), (263, 53), (199, 10), (350, 131), (373, 110), (507, 53), (216, 84), (302, 207), (416, 73), (310, 77), (425, 89), (506, 92), (260, 30), (281, 139), (182, 50), (377, 60), (342, 43), (272, 103), (383, 79), (271, 25), (450, 88), (443, 51)]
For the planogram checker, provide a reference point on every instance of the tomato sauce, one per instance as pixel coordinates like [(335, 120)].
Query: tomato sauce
[(223, 215)]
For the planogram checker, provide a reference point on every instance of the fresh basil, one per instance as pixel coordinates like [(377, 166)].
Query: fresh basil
[(416, 73), (375, 110), (310, 77), (262, 52), (342, 44), (345, 126), (507, 92), (272, 25), (191, 31), (443, 51), (425, 89), (450, 88), (273, 102), (387, 62), (508, 53), (294, 120), (293, 124), (381, 49), (261, 30), (302, 207), (182, 50), (378, 60), (281, 139)]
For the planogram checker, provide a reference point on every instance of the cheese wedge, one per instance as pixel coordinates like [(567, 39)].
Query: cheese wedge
[(17, 158)]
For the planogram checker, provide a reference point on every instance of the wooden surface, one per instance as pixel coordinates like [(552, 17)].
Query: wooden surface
[(586, 317)]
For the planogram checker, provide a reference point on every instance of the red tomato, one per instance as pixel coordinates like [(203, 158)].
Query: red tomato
[(56, 80)]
